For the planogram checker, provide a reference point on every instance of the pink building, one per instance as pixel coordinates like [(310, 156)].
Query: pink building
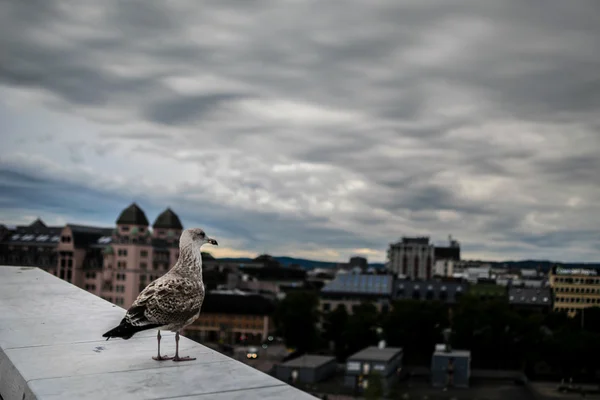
[(116, 264)]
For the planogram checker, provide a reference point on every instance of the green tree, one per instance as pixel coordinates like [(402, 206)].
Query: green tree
[(296, 317), (374, 390), (334, 325), (360, 330)]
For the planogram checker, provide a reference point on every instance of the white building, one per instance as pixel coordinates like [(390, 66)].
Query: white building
[(444, 267), (412, 258)]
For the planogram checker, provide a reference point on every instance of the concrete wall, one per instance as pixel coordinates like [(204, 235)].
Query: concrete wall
[(51, 347)]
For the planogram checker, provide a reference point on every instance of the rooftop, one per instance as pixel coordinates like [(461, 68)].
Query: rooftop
[(374, 353), (453, 353), (51, 347), (132, 215), (167, 220), (529, 296), (360, 284), (308, 360)]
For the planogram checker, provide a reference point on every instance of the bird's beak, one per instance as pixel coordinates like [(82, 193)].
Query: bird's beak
[(212, 241)]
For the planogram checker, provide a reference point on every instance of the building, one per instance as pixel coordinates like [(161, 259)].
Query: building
[(450, 367), (386, 362), (574, 289), (136, 255), (234, 316), (81, 255), (446, 257), (306, 369), (350, 290), (412, 258), (445, 291), (114, 263), (533, 299), (30, 245)]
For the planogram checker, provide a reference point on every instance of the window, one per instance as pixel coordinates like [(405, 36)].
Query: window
[(326, 306), (143, 265), (122, 252), (144, 253)]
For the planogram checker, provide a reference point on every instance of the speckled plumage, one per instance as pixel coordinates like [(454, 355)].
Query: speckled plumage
[(172, 301)]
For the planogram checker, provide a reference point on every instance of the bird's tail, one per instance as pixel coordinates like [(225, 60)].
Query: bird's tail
[(125, 330)]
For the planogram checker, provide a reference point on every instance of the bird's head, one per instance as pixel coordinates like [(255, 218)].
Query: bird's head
[(197, 236)]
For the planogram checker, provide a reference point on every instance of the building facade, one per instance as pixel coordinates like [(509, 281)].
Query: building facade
[(233, 317), (574, 289), (113, 263), (32, 245), (412, 258), (373, 363), (448, 292), (307, 368)]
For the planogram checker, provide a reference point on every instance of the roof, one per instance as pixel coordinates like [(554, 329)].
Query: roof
[(429, 290), (529, 296), (245, 304), (37, 233), (132, 215), (453, 353), (86, 236), (374, 353), (308, 361), (167, 220), (360, 284)]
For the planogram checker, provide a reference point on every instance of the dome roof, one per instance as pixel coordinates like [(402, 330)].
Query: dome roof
[(132, 215), (167, 220)]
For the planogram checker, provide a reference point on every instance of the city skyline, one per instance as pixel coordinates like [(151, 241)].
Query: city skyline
[(315, 134)]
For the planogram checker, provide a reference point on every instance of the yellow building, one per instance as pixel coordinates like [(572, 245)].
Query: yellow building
[(574, 289)]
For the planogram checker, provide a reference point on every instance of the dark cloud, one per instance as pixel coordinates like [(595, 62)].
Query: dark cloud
[(183, 110), (344, 128)]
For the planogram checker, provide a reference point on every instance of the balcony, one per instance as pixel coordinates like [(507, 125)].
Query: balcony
[(51, 347)]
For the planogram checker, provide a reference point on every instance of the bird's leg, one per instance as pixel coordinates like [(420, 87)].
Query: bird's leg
[(158, 356), (177, 358)]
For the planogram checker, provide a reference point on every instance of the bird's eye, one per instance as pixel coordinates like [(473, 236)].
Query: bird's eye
[(202, 234)]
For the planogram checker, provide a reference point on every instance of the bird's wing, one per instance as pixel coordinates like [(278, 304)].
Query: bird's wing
[(166, 301)]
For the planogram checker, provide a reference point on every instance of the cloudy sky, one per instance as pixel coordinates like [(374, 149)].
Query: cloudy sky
[(319, 129)]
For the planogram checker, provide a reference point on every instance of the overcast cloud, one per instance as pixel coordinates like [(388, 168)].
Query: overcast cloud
[(310, 128)]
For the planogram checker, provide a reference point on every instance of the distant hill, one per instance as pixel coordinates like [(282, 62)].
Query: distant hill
[(544, 265), (304, 263)]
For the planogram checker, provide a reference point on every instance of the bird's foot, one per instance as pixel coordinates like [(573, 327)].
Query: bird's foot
[(162, 358), (177, 358)]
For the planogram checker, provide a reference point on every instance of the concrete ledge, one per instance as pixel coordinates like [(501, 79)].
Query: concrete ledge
[(51, 347)]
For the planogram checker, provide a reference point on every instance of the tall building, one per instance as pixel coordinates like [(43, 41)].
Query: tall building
[(412, 258)]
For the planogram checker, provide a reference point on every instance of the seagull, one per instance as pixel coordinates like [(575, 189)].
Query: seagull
[(172, 301)]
